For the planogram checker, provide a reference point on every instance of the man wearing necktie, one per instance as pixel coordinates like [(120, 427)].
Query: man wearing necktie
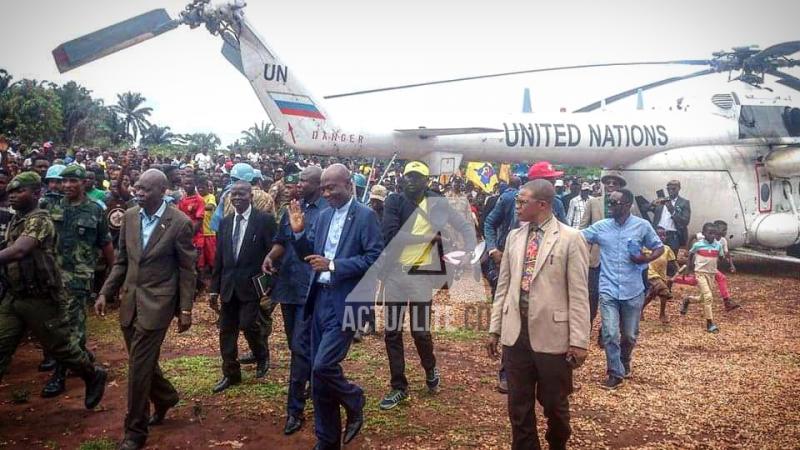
[(341, 246), (245, 238), (541, 316)]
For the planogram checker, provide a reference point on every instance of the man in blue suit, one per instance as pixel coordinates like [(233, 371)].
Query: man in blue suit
[(341, 246)]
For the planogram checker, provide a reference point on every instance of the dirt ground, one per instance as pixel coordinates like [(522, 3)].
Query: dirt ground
[(736, 389)]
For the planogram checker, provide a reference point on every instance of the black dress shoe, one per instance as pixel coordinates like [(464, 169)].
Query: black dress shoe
[(47, 365), (160, 413), (261, 369), (353, 427), (225, 383), (293, 425), (95, 387), (247, 358), (56, 385), (129, 444)]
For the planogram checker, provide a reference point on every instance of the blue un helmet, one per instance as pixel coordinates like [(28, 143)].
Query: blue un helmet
[(359, 180), (54, 172), (242, 171)]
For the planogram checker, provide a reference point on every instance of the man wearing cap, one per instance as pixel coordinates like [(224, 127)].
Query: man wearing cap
[(577, 206), (377, 198), (413, 223), (82, 230), (52, 186), (545, 171), (574, 191), (291, 284), (35, 299)]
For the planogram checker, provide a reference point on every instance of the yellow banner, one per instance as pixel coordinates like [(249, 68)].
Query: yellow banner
[(505, 173), (482, 175)]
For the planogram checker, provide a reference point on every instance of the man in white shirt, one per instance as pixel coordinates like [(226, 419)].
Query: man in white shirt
[(578, 205), (203, 160)]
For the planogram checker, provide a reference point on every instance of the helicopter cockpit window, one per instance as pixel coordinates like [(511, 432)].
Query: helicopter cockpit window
[(757, 121)]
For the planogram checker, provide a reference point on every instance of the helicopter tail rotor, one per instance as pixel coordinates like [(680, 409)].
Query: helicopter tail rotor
[(114, 38)]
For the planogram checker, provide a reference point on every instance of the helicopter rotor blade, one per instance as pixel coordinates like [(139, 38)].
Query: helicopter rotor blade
[(786, 79), (775, 51), (643, 88), (114, 38), (694, 62)]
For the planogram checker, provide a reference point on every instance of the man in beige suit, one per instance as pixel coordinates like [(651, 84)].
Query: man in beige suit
[(155, 267), (541, 316)]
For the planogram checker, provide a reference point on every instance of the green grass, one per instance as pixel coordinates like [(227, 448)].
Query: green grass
[(197, 375), (461, 334), (103, 329), (98, 444)]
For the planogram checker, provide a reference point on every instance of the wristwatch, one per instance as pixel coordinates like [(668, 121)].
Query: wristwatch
[(331, 267)]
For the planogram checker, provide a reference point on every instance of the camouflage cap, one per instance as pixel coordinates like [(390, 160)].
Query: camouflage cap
[(292, 178), (74, 171), (24, 179)]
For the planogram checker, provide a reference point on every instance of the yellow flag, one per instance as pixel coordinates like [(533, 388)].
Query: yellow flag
[(482, 175), (505, 173)]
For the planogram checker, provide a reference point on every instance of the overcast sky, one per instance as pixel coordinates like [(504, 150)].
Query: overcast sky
[(346, 45)]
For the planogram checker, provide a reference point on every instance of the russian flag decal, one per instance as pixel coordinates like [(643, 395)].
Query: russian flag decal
[(296, 105)]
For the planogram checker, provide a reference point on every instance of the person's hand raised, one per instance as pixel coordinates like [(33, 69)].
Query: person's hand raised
[(296, 218)]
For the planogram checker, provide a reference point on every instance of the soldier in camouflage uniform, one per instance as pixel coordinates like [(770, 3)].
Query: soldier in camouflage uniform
[(35, 297), (82, 232)]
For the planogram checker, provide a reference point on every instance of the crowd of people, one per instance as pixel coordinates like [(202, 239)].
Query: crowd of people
[(323, 238)]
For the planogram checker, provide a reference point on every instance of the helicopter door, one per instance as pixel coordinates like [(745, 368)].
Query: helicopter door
[(764, 191)]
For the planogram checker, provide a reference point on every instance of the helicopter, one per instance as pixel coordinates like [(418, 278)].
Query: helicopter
[(739, 158)]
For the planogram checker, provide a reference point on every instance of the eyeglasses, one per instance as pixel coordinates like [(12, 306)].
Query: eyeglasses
[(523, 202), (617, 203)]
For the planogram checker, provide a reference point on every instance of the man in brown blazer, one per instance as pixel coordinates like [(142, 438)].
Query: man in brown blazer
[(541, 316), (155, 267)]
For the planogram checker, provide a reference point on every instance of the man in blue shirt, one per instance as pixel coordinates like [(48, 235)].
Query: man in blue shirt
[(291, 285), (621, 239)]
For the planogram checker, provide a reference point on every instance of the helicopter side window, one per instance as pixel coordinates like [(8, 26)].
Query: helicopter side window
[(757, 121)]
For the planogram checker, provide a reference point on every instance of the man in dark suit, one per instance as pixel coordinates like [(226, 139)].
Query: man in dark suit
[(413, 223), (155, 266), (673, 214), (341, 246), (155, 263), (244, 239)]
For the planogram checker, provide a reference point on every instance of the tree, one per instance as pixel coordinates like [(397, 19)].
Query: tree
[(156, 135), (198, 141), (31, 111), (134, 115), (5, 80), (82, 114), (262, 137)]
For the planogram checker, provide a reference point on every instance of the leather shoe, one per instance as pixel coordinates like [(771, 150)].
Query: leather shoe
[(225, 383), (247, 358), (353, 426), (95, 387), (47, 365), (261, 369), (293, 425), (129, 444), (56, 385), (160, 413)]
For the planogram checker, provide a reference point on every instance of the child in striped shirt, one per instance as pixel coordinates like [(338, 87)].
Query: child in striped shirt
[(703, 260)]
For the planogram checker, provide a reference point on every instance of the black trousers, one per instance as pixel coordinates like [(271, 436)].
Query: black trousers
[(244, 316), (402, 295), (541, 376), (146, 382), (594, 292)]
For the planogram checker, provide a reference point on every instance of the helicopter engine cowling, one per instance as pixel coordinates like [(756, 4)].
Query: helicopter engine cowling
[(775, 230), (783, 163)]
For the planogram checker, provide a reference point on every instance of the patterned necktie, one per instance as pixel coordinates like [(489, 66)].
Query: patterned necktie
[(530, 259), (236, 231)]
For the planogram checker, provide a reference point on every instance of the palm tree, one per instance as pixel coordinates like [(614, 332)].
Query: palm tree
[(261, 137), (197, 141), (129, 107), (156, 135)]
